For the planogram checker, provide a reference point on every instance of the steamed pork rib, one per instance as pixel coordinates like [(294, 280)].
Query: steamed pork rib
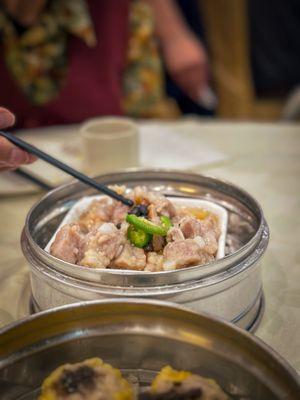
[(68, 243), (99, 211), (184, 253), (154, 262), (152, 236), (207, 229), (174, 234), (131, 257), (182, 385), (102, 246), (190, 227), (89, 380), (159, 203), (119, 213)]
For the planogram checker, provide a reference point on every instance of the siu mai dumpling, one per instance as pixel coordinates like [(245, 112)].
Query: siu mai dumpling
[(88, 380), (182, 385)]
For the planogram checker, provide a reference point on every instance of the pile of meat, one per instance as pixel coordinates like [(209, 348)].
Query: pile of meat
[(99, 238)]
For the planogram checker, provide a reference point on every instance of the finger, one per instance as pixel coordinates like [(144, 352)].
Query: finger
[(12, 156), (6, 118), (31, 158), (191, 80), (9, 167), (4, 169)]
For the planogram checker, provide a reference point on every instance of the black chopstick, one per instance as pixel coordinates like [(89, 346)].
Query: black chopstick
[(33, 179), (64, 167)]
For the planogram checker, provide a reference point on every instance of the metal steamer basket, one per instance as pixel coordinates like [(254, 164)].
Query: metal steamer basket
[(230, 287), (140, 337)]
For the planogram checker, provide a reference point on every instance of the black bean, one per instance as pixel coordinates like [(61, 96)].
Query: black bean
[(140, 211), (135, 211), (143, 210)]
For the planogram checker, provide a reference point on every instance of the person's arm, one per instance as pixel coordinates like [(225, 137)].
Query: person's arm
[(184, 55), (168, 19), (11, 157)]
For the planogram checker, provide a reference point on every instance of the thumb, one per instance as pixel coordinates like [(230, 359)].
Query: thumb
[(6, 118)]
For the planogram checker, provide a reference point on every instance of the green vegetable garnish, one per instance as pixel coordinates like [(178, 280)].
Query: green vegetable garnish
[(148, 226), (166, 223), (138, 237)]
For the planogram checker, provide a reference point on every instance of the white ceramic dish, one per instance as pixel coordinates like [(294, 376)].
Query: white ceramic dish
[(82, 205)]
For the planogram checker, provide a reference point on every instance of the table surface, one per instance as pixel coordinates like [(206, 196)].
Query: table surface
[(262, 158)]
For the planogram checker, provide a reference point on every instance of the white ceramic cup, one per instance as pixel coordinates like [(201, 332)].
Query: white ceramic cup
[(109, 144)]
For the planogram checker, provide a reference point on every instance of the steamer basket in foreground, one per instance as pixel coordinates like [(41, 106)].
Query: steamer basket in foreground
[(140, 337), (230, 287)]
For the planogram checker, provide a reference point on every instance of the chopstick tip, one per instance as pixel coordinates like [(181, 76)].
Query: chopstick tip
[(129, 202)]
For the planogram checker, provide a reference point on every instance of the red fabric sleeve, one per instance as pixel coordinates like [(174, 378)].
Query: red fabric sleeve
[(94, 81)]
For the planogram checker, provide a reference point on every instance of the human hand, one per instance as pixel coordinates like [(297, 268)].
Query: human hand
[(11, 157), (187, 63), (26, 12)]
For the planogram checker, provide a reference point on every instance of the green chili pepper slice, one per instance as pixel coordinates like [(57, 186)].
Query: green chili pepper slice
[(146, 225), (138, 237), (166, 223)]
